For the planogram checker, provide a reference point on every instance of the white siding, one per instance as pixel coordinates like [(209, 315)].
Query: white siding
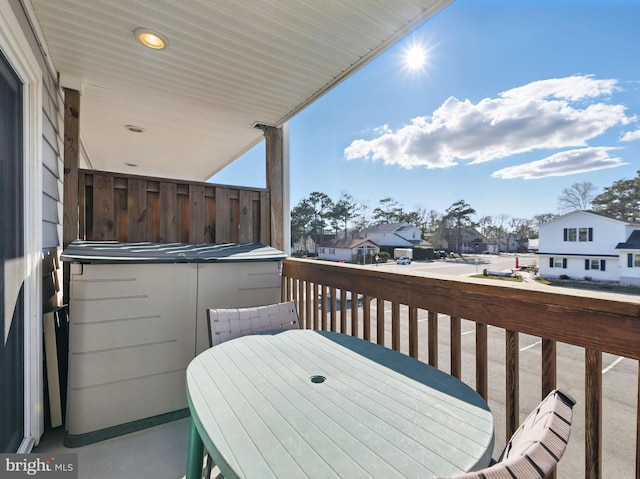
[(560, 242)]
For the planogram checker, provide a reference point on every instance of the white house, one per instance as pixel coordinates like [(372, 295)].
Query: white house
[(630, 259), (582, 244), (394, 234), (350, 250)]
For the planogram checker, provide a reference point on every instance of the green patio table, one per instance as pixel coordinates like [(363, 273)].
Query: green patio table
[(319, 404)]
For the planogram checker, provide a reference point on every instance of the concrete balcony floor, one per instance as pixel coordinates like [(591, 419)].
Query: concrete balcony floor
[(159, 452)]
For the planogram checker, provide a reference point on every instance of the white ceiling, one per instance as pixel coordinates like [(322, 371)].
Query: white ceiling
[(230, 63)]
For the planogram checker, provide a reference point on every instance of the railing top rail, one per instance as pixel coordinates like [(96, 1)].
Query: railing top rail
[(591, 320)]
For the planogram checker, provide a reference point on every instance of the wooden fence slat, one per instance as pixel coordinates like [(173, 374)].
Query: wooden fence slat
[(223, 216), (168, 213), (245, 219), (103, 208), (197, 230), (137, 210)]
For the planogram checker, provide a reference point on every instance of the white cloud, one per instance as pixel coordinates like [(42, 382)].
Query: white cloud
[(565, 163), (550, 114), (631, 135)]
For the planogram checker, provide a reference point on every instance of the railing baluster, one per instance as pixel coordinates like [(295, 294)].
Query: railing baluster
[(593, 414), (316, 312), (413, 332), (549, 366), (395, 326), (638, 428), (307, 304), (343, 311), (332, 308), (512, 377), (456, 347), (323, 297), (354, 313), (380, 321), (433, 338), (366, 317), (301, 300), (482, 361)]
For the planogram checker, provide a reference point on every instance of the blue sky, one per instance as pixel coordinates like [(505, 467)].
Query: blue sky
[(516, 100)]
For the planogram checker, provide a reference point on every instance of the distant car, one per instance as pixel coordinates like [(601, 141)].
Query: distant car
[(404, 260), (439, 254)]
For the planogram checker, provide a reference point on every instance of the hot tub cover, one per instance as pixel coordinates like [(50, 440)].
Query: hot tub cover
[(118, 252)]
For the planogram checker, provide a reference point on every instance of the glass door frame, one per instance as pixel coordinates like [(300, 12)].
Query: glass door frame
[(17, 50)]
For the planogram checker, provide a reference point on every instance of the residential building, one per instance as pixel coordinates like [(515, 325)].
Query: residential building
[(357, 250), (401, 235), (587, 245)]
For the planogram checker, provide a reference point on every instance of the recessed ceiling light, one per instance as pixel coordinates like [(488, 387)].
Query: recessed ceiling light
[(151, 39), (134, 128)]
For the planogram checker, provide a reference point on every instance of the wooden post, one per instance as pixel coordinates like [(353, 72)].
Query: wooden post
[(275, 184), (70, 226)]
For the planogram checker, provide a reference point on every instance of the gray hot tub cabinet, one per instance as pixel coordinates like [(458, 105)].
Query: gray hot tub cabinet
[(138, 317)]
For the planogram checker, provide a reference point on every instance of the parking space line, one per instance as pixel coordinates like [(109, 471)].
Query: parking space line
[(612, 365), (531, 345)]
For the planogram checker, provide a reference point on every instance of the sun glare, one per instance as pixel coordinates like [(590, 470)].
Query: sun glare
[(415, 57)]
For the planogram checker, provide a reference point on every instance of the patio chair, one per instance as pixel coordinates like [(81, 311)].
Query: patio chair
[(538, 444), (226, 324)]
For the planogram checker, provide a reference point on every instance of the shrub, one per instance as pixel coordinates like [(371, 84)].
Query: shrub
[(563, 276)]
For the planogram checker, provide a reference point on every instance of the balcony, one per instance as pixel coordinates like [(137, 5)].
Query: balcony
[(511, 343)]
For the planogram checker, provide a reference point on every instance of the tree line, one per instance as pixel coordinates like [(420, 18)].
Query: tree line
[(318, 215)]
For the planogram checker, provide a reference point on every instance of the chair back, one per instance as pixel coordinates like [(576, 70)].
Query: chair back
[(226, 324), (538, 444)]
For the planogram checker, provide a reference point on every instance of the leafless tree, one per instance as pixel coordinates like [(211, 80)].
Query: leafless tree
[(578, 196)]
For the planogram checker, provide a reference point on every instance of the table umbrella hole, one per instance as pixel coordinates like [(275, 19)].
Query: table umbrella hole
[(318, 379)]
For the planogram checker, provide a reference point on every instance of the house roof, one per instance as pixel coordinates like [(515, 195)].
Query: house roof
[(586, 212), (633, 242), (229, 65), (388, 228), (347, 243)]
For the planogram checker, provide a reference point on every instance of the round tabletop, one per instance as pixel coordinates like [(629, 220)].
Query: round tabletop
[(306, 403)]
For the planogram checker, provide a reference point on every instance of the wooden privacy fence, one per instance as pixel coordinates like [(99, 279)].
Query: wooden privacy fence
[(119, 207)]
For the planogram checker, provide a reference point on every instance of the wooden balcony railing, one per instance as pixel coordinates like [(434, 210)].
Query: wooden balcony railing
[(588, 323)]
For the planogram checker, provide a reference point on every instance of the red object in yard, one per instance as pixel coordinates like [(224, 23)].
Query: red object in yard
[(517, 266)]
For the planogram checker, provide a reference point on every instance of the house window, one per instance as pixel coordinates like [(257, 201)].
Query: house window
[(633, 260), (578, 234), (332, 251), (558, 262), (595, 264)]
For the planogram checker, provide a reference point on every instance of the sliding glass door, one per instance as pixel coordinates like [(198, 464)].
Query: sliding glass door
[(11, 257)]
